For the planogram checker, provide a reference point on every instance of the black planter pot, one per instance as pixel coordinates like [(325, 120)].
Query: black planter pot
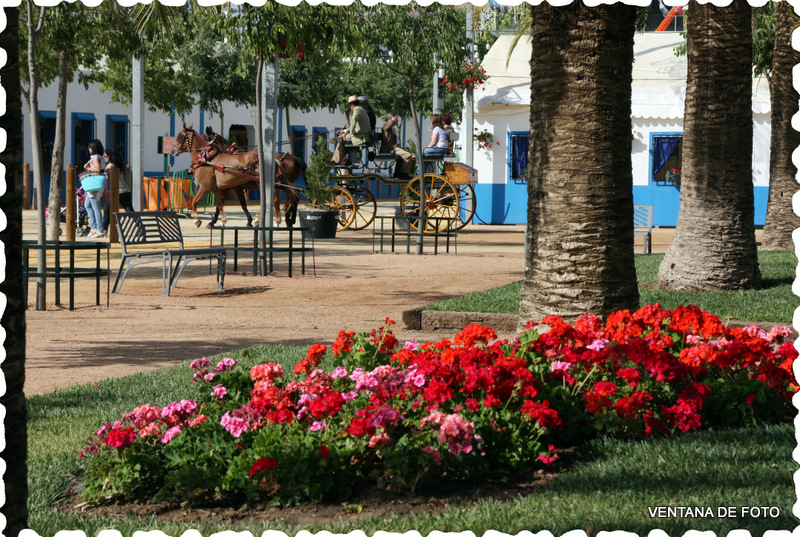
[(322, 223)]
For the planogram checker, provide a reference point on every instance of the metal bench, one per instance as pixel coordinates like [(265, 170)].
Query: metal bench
[(643, 225), (156, 228)]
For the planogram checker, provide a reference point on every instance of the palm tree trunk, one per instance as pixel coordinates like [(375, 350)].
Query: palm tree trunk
[(57, 161), (781, 219), (15, 478), (580, 187), (714, 247)]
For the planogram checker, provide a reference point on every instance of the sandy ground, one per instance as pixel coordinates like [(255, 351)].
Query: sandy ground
[(354, 288)]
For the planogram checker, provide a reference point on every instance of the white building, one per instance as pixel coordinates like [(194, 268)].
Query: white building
[(659, 87), (90, 115)]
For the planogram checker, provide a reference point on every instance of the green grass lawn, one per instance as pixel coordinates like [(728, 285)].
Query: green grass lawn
[(774, 302), (611, 487)]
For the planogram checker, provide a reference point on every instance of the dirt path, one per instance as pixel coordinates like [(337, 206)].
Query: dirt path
[(354, 289)]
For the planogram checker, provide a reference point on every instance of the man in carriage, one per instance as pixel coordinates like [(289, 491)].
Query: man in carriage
[(373, 119), (405, 162), (357, 132)]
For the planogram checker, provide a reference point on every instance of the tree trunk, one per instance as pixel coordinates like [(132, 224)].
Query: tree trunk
[(714, 248), (57, 162), (15, 478), (418, 137), (36, 149), (781, 219), (290, 150), (580, 189), (262, 173), (221, 121)]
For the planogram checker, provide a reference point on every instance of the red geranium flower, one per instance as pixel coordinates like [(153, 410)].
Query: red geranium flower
[(312, 359), (120, 438), (474, 333), (629, 406), (264, 463), (344, 343)]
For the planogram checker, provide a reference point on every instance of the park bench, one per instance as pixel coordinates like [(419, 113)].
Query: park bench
[(643, 225), (143, 230)]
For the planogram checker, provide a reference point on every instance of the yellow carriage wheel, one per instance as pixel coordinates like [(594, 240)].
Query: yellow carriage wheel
[(466, 205), (440, 202), (339, 200), (366, 207)]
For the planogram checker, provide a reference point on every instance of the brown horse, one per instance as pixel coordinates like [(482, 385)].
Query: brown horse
[(219, 168)]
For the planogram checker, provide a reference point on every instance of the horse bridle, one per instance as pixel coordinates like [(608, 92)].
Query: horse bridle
[(189, 141)]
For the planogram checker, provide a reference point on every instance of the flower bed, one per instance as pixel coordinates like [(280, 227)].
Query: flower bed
[(404, 416)]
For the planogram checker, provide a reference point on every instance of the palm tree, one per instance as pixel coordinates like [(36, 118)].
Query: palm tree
[(15, 479), (714, 247), (781, 219), (580, 200)]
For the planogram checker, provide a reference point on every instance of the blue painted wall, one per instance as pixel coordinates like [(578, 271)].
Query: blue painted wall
[(665, 200), (508, 203), (501, 203)]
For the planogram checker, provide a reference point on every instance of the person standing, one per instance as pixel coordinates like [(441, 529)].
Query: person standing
[(406, 162), (95, 166), (114, 160)]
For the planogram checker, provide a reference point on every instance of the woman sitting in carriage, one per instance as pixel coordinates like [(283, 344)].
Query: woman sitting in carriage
[(439, 141)]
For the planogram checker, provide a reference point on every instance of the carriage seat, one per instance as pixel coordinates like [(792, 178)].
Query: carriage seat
[(368, 140)]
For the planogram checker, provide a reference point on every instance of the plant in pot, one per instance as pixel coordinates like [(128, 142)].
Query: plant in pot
[(319, 217)]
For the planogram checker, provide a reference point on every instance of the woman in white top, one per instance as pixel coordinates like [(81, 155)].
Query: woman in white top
[(439, 138), (96, 165)]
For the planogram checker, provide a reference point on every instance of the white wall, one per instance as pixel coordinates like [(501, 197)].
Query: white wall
[(492, 165), (157, 123)]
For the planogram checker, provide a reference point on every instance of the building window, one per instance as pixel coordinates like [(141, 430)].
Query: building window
[(82, 134), (518, 155), (117, 134), (667, 153), (47, 128), (299, 142), (237, 135), (317, 132)]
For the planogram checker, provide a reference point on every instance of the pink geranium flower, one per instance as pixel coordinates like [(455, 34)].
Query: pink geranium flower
[(234, 424), (170, 434)]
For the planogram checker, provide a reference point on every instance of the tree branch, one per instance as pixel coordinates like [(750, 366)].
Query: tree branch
[(40, 25)]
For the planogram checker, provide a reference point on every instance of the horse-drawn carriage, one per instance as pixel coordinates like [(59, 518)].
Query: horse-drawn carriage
[(448, 198), (218, 167)]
